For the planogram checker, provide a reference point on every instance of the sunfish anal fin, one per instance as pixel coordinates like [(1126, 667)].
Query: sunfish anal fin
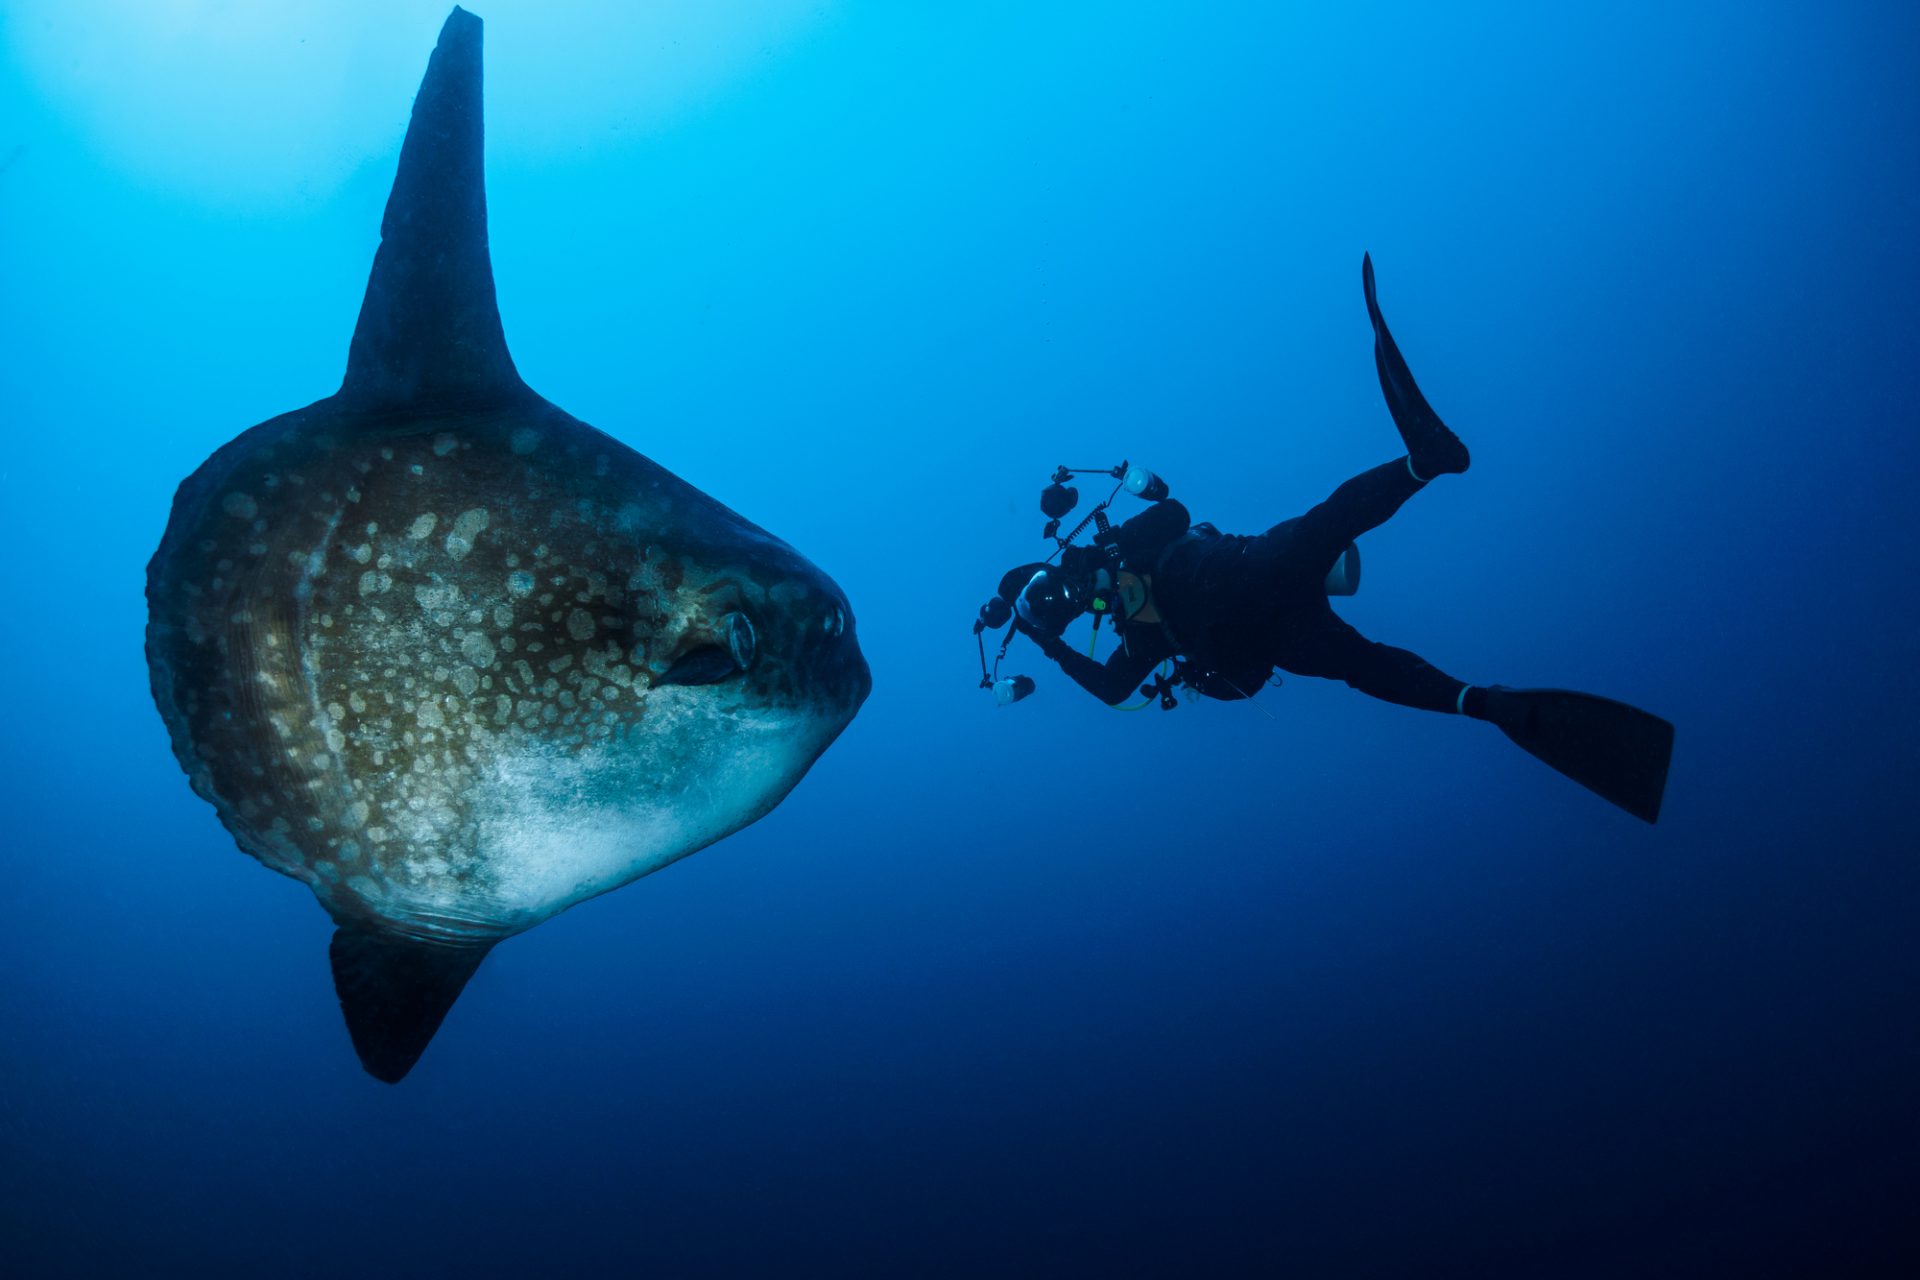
[(395, 992)]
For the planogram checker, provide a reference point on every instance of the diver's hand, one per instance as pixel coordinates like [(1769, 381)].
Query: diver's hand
[(1049, 644)]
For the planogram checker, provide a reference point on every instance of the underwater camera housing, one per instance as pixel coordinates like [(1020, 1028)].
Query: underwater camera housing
[(1057, 501)]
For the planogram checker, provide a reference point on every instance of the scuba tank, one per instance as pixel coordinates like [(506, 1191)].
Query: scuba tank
[(1344, 578)]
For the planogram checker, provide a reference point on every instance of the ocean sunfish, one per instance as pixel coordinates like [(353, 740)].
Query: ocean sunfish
[(456, 660)]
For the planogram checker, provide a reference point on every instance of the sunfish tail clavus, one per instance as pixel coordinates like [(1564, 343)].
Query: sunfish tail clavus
[(457, 660)]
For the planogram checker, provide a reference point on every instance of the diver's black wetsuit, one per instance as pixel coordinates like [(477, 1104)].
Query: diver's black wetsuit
[(1237, 607)]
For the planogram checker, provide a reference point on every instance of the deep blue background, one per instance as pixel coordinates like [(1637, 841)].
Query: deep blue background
[(1350, 991)]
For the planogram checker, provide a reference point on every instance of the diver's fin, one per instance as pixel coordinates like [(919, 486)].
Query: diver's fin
[(394, 992), (429, 326), (1618, 752), (1434, 448)]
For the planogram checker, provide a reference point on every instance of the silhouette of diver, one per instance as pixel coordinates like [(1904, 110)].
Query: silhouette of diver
[(1229, 609)]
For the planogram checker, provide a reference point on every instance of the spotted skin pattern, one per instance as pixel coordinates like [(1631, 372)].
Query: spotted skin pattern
[(415, 663)]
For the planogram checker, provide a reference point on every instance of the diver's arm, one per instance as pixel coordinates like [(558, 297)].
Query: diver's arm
[(1142, 538), (1114, 681)]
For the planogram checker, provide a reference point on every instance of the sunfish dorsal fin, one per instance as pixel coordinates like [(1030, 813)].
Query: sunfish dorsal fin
[(429, 326)]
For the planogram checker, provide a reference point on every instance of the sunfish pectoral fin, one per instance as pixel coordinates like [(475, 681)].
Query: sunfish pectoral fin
[(429, 327), (395, 991)]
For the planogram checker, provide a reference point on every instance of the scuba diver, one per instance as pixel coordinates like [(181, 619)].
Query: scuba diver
[(1223, 611)]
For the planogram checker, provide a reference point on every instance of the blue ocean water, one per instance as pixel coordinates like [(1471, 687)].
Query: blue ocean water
[(1349, 990)]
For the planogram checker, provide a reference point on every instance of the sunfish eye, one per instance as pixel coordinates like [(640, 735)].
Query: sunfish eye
[(715, 662)]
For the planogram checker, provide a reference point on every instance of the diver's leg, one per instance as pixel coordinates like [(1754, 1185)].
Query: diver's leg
[(1365, 502), (1616, 751), (1320, 644), (1296, 554), (1432, 449), (1317, 642)]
